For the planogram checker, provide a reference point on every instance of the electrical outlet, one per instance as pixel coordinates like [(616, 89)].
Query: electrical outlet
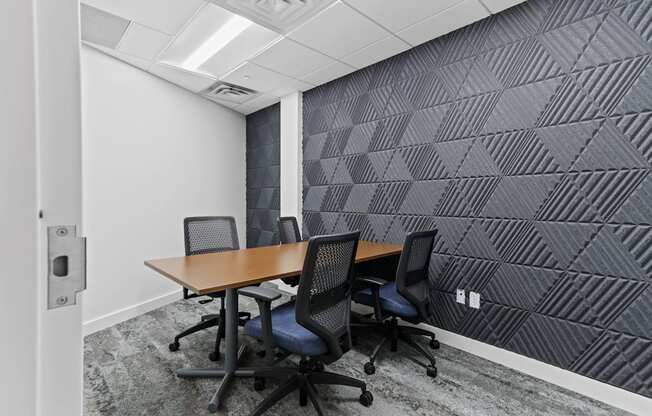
[(461, 297), (474, 300)]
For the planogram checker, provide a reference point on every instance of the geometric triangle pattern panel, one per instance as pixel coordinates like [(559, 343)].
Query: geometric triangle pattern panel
[(263, 176), (525, 139)]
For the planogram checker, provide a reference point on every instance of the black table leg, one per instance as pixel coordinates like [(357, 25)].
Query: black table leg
[(231, 356)]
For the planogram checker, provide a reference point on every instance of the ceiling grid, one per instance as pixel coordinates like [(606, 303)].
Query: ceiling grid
[(273, 47)]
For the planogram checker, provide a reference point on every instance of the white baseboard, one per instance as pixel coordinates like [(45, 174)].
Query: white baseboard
[(586, 386), (129, 312)]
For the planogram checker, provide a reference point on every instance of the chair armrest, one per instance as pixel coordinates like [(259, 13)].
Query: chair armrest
[(260, 293), (371, 281), (374, 283), (264, 298)]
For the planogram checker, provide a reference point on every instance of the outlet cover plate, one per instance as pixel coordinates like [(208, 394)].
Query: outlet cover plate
[(461, 297), (474, 300)]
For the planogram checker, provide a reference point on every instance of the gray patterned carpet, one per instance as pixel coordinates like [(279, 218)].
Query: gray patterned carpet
[(129, 371)]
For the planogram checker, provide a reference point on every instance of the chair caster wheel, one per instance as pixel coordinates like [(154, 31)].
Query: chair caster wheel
[(369, 368), (174, 346), (366, 398), (431, 371), (434, 344), (259, 383), (214, 356)]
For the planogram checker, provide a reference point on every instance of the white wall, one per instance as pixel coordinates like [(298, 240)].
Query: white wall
[(292, 156), (153, 154), (291, 163)]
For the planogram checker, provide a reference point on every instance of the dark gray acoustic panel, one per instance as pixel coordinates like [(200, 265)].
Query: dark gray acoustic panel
[(526, 140), (263, 176)]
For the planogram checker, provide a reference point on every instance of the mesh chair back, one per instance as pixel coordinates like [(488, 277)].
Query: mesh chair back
[(412, 271), (209, 235), (324, 297), (288, 230)]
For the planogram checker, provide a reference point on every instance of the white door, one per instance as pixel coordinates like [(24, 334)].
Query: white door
[(40, 171)]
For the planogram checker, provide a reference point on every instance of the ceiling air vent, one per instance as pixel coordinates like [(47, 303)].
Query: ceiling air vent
[(222, 91)]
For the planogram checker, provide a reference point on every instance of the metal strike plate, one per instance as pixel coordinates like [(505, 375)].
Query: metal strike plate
[(66, 265)]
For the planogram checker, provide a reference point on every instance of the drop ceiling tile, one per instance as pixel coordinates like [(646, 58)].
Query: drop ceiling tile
[(328, 73), (338, 31), (254, 39), (261, 79), (451, 19), (397, 15), (168, 16), (131, 60), (376, 52), (496, 6), (232, 106), (291, 58), (192, 81), (291, 87), (143, 42), (246, 110), (101, 28), (257, 103)]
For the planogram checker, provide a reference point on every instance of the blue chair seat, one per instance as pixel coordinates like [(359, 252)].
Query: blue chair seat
[(287, 333), (390, 301)]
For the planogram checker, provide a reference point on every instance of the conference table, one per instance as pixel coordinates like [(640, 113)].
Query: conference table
[(230, 270)]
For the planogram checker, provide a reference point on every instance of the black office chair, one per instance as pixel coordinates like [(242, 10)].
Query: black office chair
[(288, 231), (316, 326), (407, 298), (204, 235)]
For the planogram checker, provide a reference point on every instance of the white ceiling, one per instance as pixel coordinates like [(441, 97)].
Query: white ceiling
[(293, 45)]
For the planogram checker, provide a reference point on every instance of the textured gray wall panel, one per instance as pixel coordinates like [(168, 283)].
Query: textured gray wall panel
[(526, 140), (263, 176)]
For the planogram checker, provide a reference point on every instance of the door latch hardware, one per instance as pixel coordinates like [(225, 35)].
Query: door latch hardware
[(66, 265)]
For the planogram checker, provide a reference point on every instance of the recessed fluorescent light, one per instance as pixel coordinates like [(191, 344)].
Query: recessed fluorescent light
[(222, 37)]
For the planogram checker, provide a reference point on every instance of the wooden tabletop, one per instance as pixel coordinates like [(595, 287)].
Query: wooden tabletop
[(207, 273)]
